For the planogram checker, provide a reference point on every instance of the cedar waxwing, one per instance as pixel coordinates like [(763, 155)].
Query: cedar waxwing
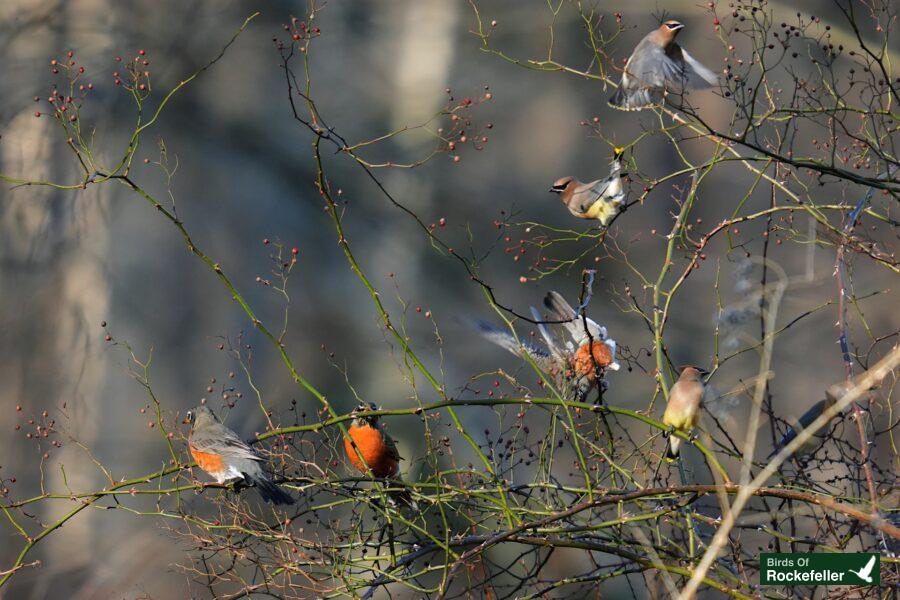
[(579, 362), (367, 434), (832, 395), (220, 452), (598, 199), (657, 67), (683, 409)]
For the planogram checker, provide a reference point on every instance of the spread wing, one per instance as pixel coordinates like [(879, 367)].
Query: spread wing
[(219, 439), (648, 67), (578, 327), (545, 333), (699, 76), (505, 339), (675, 68)]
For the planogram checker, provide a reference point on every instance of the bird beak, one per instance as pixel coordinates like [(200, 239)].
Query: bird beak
[(552, 190)]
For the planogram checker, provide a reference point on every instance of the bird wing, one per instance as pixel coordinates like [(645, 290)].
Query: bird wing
[(505, 339), (579, 328), (704, 77), (393, 453), (586, 195), (647, 67), (545, 333), (217, 438)]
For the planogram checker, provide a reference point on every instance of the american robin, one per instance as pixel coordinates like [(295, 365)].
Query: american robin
[(367, 435), (598, 199), (579, 362), (659, 66), (226, 457), (376, 446), (683, 409)]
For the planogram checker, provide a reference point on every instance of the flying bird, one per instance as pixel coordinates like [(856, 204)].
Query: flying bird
[(367, 437), (226, 457), (658, 67), (598, 199), (683, 409), (578, 360)]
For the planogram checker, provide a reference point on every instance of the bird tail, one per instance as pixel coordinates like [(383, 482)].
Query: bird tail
[(673, 447), (402, 497), (635, 99), (269, 490)]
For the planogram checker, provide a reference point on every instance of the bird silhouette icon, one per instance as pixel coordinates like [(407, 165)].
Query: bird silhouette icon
[(866, 572)]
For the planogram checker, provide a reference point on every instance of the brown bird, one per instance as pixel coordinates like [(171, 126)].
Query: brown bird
[(683, 409), (378, 450), (578, 362), (658, 67), (598, 199), (226, 457)]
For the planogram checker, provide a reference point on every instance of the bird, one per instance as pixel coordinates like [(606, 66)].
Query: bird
[(598, 199), (683, 409), (366, 437), (578, 362), (816, 439), (832, 395), (226, 457), (658, 66), (866, 572)]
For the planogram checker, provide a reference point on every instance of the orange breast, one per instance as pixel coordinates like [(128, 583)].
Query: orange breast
[(598, 354), (209, 462), (372, 447)]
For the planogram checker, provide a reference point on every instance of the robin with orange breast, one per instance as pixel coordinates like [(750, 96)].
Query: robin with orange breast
[(369, 448), (226, 457), (580, 361)]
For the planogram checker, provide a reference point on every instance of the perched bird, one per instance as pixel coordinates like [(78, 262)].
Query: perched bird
[(579, 362), (226, 457), (683, 409), (817, 438), (598, 199), (367, 435), (832, 395), (658, 67)]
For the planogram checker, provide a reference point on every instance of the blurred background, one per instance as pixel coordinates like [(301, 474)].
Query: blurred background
[(71, 260)]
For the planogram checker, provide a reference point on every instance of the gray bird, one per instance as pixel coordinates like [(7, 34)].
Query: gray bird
[(226, 457), (658, 67), (819, 437), (598, 199)]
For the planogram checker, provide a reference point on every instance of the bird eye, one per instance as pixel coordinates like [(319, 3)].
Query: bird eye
[(190, 415)]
